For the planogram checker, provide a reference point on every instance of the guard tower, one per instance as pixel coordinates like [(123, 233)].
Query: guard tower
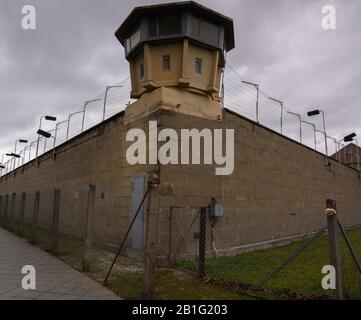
[(176, 53)]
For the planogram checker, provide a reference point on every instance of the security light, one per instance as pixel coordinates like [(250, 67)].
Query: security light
[(50, 118), (316, 113), (313, 113), (44, 133), (23, 141), (15, 155), (350, 137)]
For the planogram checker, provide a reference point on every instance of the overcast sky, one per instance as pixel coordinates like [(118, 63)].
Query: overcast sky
[(73, 54)]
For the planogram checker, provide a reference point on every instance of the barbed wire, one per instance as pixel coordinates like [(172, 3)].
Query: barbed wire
[(239, 97), (117, 98)]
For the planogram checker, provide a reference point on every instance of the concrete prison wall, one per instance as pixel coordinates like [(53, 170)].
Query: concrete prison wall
[(96, 157), (277, 191)]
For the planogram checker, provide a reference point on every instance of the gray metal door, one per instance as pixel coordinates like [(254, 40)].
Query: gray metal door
[(137, 234)]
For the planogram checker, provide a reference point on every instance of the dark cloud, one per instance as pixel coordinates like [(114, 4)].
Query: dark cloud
[(73, 54)]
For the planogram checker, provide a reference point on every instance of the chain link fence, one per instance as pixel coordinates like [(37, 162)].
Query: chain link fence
[(63, 222), (279, 257), (287, 264)]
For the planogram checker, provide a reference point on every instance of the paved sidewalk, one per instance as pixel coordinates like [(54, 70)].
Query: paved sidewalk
[(54, 279)]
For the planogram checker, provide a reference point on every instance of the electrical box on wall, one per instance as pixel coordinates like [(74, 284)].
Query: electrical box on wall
[(216, 210)]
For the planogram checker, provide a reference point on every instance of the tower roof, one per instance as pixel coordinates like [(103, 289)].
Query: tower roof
[(192, 6)]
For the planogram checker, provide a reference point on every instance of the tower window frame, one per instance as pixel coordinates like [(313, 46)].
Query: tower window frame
[(198, 66), (166, 63)]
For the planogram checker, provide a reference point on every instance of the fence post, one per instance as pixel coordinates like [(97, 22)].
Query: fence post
[(22, 214), (12, 213), (334, 245), (89, 229), (55, 223), (34, 226), (6, 205), (202, 243), (150, 231)]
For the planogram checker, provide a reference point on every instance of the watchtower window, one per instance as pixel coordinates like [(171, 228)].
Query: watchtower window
[(127, 45), (205, 30), (141, 71), (152, 26), (135, 38), (195, 27), (209, 32), (132, 41), (166, 25), (166, 63), (198, 66), (170, 25)]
